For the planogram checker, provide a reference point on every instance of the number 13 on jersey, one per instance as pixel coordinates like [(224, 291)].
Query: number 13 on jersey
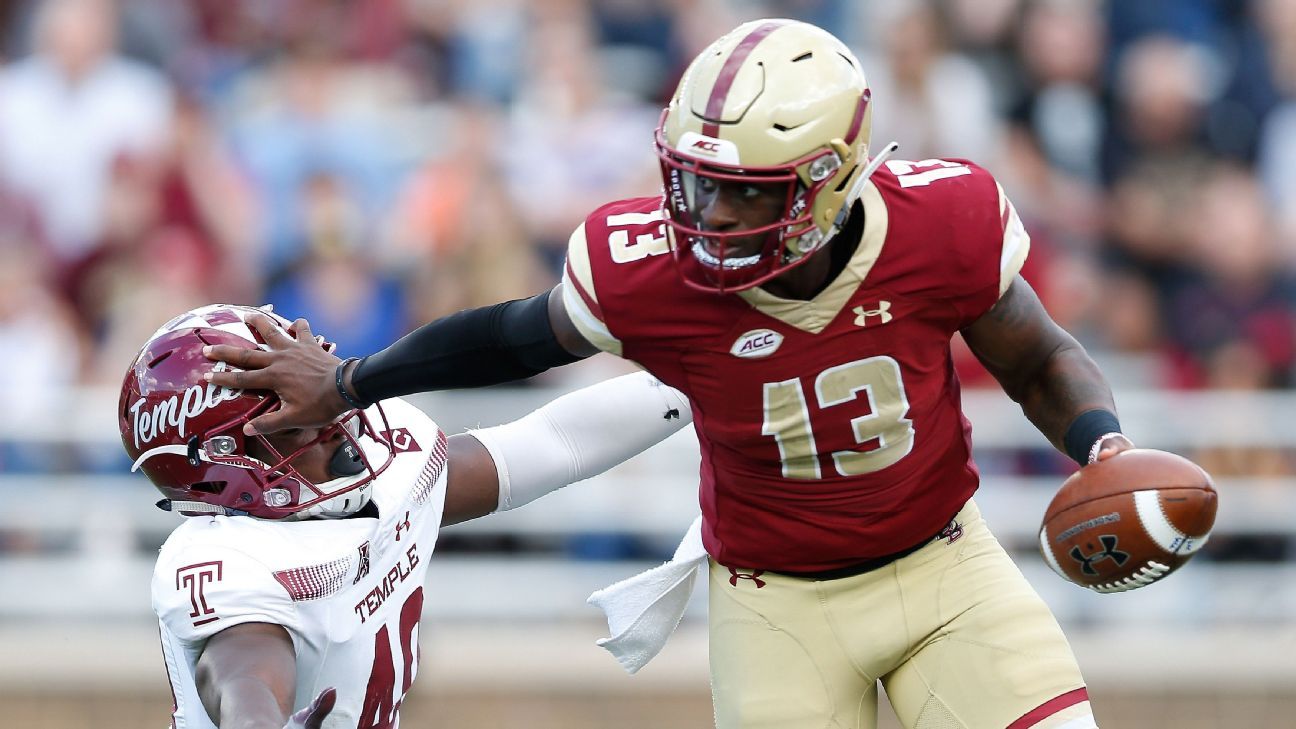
[(884, 426)]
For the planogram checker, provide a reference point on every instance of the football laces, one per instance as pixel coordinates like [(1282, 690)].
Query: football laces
[(1147, 574)]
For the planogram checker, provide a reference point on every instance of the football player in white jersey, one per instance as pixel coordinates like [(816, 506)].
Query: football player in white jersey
[(298, 581)]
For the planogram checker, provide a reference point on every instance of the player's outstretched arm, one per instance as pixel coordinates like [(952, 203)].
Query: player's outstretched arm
[(473, 348), (1045, 370), (572, 438), (247, 676)]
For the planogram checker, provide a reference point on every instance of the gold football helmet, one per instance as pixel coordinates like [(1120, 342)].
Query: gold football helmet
[(771, 102)]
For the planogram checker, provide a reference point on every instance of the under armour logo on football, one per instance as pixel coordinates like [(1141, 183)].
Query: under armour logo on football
[(1109, 551), (754, 576), (882, 312), (402, 525)]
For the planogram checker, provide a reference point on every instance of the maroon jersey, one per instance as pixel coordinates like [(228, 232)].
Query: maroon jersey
[(831, 430)]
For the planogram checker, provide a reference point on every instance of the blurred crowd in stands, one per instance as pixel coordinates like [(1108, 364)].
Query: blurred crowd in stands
[(372, 164)]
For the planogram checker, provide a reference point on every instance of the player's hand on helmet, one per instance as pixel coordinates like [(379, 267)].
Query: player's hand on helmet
[(296, 367), (1109, 445), (312, 717)]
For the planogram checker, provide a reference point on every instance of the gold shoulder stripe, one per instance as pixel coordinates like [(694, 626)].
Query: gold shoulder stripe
[(1016, 242), (577, 284), (578, 261)]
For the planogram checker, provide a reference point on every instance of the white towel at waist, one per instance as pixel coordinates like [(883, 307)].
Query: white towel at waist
[(643, 610)]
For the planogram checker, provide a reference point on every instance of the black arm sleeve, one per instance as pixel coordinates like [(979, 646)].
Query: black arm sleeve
[(473, 348)]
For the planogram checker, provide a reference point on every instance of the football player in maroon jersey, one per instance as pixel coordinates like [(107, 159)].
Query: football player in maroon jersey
[(803, 294)]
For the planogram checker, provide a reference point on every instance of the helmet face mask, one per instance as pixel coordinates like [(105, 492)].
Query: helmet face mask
[(704, 255), (774, 101), (186, 434)]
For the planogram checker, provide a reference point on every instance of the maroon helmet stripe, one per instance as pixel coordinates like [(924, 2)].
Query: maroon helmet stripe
[(858, 121), (1050, 707), (724, 82)]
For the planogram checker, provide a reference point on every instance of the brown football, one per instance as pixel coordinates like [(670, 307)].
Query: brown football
[(1128, 521)]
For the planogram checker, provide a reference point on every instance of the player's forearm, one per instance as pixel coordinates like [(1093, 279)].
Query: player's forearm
[(1064, 386), (246, 676), (473, 348), (247, 703), (1044, 369)]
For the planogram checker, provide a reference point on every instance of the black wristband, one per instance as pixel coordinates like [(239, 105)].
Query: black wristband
[(1085, 430), (341, 388), (473, 348)]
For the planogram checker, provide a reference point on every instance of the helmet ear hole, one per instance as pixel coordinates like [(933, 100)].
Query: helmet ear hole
[(208, 487)]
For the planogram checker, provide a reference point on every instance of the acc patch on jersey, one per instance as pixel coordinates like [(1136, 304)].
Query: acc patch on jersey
[(756, 343)]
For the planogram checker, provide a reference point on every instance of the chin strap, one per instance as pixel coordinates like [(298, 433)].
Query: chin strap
[(872, 167), (857, 189), (198, 507)]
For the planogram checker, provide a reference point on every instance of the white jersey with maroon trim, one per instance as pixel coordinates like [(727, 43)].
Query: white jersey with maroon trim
[(348, 591)]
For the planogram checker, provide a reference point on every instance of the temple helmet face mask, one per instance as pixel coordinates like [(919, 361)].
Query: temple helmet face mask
[(772, 103)]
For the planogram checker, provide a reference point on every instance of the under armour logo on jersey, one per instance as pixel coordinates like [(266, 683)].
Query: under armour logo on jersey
[(1109, 551), (402, 525), (754, 576), (882, 312)]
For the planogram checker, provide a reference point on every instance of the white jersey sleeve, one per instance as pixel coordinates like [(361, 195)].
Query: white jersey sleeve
[(198, 592), (582, 434)]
